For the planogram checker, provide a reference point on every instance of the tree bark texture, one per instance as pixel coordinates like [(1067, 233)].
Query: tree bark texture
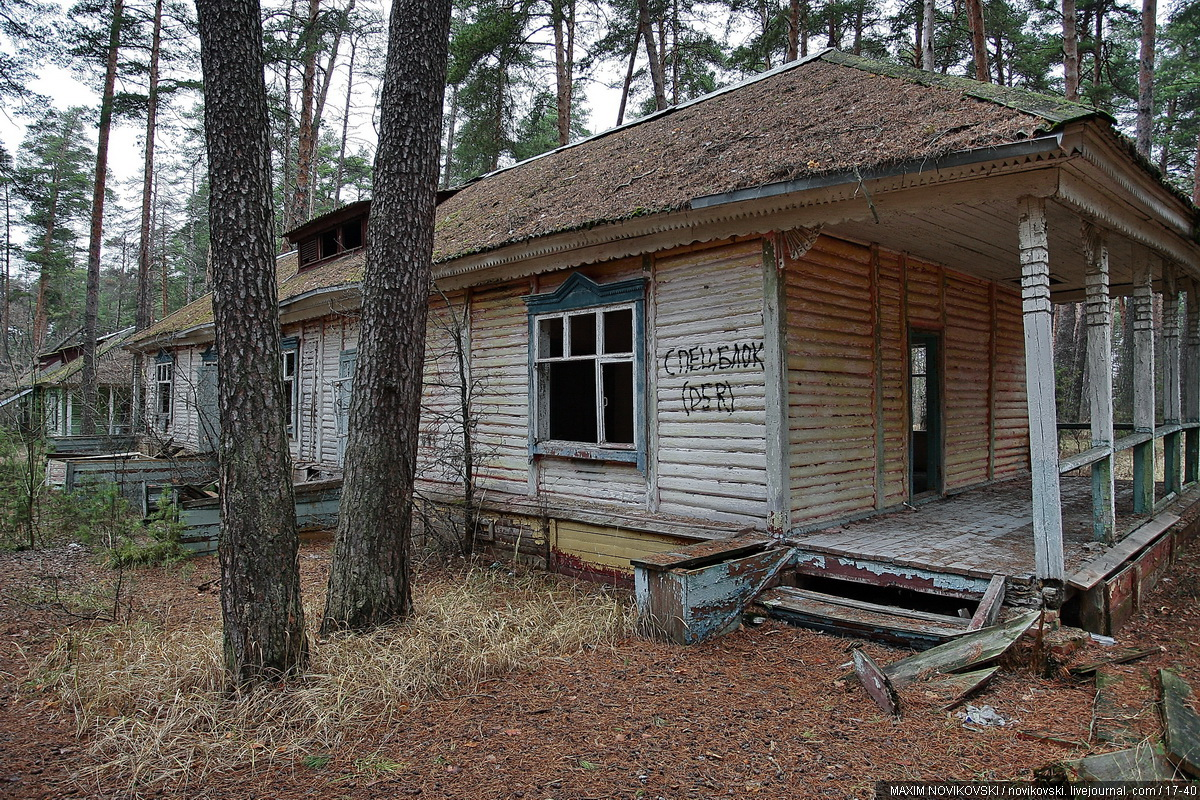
[(369, 581), (1070, 50), (927, 23), (978, 39), (1145, 112), (260, 586), (657, 77), (562, 14), (91, 312)]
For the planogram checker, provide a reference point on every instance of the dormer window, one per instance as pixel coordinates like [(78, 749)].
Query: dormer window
[(332, 235)]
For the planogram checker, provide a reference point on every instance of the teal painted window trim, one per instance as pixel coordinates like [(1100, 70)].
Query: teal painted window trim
[(580, 294)]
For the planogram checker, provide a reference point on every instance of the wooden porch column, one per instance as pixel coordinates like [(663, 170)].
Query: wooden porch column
[(1172, 405), (1142, 307), (1039, 390), (1191, 383), (1098, 310)]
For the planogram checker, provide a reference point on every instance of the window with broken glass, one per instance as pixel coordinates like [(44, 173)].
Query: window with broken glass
[(164, 382), (290, 348), (587, 371)]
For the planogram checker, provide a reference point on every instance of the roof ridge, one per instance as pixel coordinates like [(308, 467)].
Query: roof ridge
[(1055, 109)]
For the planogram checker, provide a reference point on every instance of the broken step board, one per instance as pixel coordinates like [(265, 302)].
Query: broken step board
[(850, 617)]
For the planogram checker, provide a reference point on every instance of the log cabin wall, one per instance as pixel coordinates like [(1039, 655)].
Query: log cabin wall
[(708, 440), (849, 310)]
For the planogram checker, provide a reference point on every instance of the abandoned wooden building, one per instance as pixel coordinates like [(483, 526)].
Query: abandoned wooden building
[(815, 305), (50, 396)]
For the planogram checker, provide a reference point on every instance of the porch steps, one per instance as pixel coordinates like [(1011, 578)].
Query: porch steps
[(850, 617)]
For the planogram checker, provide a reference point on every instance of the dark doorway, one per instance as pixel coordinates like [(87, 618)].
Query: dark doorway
[(925, 410)]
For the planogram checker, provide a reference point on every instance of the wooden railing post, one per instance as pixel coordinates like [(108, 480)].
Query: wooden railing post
[(1039, 393), (1142, 309), (1098, 311), (1191, 383), (1172, 406)]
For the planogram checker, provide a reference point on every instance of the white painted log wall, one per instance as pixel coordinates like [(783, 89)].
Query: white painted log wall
[(711, 459)]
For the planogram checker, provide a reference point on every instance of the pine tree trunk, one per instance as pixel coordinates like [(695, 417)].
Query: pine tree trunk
[(369, 580), (260, 583), (306, 141), (1070, 50), (625, 87), (6, 307), (793, 42), (142, 315), (96, 236), (563, 22), (656, 69), (451, 131), (341, 164), (978, 39), (1145, 112), (928, 21)]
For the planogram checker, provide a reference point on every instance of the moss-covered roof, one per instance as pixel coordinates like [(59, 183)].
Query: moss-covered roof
[(828, 114)]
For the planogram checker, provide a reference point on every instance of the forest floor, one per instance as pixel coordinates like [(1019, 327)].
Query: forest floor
[(767, 712)]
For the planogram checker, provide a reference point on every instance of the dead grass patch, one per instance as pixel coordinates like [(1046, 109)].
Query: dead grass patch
[(153, 705)]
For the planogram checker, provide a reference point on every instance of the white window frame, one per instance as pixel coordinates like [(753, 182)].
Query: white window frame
[(164, 390)]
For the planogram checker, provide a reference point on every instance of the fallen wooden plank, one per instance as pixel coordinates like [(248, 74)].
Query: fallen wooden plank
[(970, 650), (835, 615), (876, 683), (1141, 763), (1124, 550), (1181, 723), (988, 611), (1110, 721), (950, 690), (1121, 656)]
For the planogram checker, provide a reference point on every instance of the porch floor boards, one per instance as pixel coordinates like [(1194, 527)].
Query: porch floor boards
[(980, 532)]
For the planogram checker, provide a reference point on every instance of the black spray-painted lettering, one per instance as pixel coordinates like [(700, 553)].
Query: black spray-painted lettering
[(701, 397), (702, 358)]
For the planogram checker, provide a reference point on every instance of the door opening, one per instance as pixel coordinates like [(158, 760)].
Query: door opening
[(925, 434)]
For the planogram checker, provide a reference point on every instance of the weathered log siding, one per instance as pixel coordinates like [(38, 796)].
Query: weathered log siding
[(1010, 438), (966, 385), (831, 381), (892, 372), (440, 452), (849, 310), (709, 373), (500, 370)]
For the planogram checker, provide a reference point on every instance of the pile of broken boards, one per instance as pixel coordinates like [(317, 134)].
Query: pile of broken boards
[(952, 671)]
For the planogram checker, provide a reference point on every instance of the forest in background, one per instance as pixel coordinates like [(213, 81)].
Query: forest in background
[(520, 73)]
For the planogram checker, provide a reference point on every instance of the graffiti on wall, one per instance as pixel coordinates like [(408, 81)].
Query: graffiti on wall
[(711, 395)]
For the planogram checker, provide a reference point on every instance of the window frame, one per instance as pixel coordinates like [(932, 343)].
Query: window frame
[(164, 365), (579, 294), (289, 349)]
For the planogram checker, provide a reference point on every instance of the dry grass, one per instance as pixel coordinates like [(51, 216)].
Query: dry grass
[(154, 706)]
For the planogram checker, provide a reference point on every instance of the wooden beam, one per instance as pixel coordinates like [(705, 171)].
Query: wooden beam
[(1142, 308), (1172, 399), (775, 363), (1098, 314)]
